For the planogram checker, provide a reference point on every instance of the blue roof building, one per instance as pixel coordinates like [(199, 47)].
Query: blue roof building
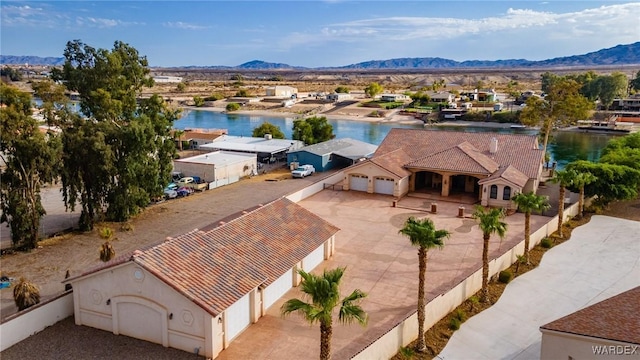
[(335, 153)]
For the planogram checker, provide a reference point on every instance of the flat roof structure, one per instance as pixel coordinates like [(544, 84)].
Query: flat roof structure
[(252, 144), (346, 147), (217, 157)]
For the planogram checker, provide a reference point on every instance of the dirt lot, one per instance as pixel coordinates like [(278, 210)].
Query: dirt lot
[(77, 252)]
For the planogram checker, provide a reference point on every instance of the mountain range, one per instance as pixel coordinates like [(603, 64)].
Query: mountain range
[(618, 55)]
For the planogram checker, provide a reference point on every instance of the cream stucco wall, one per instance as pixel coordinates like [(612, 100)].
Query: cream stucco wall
[(401, 185), (558, 345), (499, 202), (112, 299)]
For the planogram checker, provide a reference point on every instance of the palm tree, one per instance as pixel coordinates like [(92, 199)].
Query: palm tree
[(564, 178), (423, 234), (490, 222), (580, 181), (323, 290), (177, 136), (528, 203)]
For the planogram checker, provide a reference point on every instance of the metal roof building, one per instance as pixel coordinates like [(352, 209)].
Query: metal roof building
[(335, 153)]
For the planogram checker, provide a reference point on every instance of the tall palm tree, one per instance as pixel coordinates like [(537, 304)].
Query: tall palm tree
[(490, 223), (424, 235), (323, 291), (177, 136), (580, 181), (528, 203), (564, 178)]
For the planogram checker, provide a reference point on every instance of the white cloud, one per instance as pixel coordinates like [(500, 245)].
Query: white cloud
[(610, 21), (184, 25)]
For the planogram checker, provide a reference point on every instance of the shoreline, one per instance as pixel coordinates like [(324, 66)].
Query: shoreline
[(392, 119)]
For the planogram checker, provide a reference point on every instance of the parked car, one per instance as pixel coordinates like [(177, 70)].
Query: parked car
[(302, 171), (191, 182), (184, 191), (170, 193), (172, 186)]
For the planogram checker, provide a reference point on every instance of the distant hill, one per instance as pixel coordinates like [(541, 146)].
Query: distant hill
[(617, 55), (31, 60)]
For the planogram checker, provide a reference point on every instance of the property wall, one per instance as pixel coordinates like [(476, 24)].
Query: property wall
[(96, 298), (35, 319), (407, 330), (316, 187), (558, 345)]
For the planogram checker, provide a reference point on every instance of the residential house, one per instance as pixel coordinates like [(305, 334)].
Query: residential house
[(609, 329), (200, 290), (337, 97), (282, 91), (197, 137), (491, 167), (443, 97), (394, 97), (332, 154)]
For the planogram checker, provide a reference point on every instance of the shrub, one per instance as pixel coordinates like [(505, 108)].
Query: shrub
[(25, 294), (107, 252), (233, 106), (473, 301), (454, 323), (126, 227), (546, 243), (407, 352), (106, 233), (214, 97), (505, 276), (198, 101), (460, 315)]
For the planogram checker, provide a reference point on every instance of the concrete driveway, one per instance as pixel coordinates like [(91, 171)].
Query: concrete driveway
[(380, 262), (602, 259)]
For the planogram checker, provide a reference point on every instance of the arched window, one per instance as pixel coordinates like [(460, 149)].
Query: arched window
[(506, 193), (494, 192)]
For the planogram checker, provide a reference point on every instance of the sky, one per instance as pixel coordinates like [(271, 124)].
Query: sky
[(313, 33)]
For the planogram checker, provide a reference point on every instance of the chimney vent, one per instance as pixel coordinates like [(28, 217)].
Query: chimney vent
[(268, 137), (493, 146)]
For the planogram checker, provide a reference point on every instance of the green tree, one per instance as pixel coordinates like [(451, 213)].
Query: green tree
[(562, 106), (242, 93), (528, 203), (490, 222), (324, 293), (373, 89), (177, 137), (268, 128), (606, 88), (31, 160), (342, 90), (198, 101), (613, 182), (634, 84), (313, 130), (10, 73), (424, 235), (564, 179), (53, 99), (233, 107), (181, 87), (119, 155), (623, 151)]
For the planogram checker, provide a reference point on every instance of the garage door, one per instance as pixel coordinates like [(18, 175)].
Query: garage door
[(238, 317), (314, 259), (139, 321), (359, 182), (277, 288), (383, 185)]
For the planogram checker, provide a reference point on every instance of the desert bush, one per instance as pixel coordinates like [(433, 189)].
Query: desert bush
[(233, 106), (25, 294), (407, 352), (198, 101), (546, 243), (505, 276), (473, 301), (107, 252), (454, 323), (126, 227), (106, 233), (460, 315), (214, 97)]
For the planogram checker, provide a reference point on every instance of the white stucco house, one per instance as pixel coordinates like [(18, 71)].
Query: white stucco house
[(493, 167), (281, 91), (200, 290), (218, 167)]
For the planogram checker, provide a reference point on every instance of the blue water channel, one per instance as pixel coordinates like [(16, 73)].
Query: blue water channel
[(564, 146)]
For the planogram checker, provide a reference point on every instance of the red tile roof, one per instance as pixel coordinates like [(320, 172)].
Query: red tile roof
[(520, 151), (463, 157), (393, 162), (616, 318), (508, 173), (216, 268)]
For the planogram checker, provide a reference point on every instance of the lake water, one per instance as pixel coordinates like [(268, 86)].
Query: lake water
[(564, 146)]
